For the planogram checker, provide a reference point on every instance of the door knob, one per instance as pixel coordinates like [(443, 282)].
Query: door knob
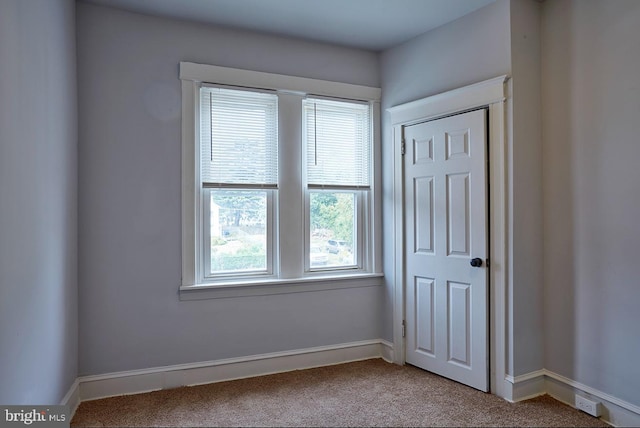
[(477, 262)]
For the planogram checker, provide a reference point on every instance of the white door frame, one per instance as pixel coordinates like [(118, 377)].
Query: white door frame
[(492, 94)]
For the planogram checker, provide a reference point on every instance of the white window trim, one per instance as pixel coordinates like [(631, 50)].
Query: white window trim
[(290, 279)]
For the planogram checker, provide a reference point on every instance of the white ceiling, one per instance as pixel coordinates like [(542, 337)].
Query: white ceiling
[(367, 24)]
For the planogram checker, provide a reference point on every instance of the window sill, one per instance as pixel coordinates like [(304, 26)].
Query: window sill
[(265, 287)]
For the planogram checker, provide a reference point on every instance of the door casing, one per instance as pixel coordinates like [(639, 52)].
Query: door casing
[(491, 94)]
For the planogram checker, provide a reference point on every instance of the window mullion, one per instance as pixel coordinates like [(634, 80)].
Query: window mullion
[(290, 211)]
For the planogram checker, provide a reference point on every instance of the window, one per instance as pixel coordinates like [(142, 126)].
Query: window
[(277, 179), (337, 136), (239, 180)]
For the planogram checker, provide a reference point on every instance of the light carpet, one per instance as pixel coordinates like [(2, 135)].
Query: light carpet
[(363, 393)]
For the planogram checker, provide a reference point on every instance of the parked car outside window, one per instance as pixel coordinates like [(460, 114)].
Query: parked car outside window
[(333, 247)]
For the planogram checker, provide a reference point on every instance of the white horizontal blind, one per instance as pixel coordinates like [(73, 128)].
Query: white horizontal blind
[(238, 138), (338, 142)]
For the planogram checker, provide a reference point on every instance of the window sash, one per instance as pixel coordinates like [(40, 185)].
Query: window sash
[(238, 138), (361, 231), (337, 136), (271, 244)]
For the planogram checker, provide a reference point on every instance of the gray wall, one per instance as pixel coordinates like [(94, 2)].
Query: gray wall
[(38, 181), (525, 189), (473, 48), (591, 93), (129, 200)]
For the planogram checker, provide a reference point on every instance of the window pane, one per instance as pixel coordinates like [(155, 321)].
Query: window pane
[(238, 231), (238, 137), (333, 229), (337, 138)]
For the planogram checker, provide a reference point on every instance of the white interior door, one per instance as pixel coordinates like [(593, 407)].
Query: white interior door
[(445, 186)]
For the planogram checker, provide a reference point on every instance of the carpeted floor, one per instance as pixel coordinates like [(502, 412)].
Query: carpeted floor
[(364, 393)]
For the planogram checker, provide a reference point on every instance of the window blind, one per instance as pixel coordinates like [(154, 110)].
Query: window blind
[(337, 138), (239, 138)]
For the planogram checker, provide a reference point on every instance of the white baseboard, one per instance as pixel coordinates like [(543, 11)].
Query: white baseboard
[(526, 386), (386, 350), (72, 398), (153, 379), (615, 412)]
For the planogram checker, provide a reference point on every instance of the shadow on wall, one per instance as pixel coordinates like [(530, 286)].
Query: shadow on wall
[(558, 183)]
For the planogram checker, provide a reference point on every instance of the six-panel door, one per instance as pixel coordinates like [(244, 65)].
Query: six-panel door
[(445, 188)]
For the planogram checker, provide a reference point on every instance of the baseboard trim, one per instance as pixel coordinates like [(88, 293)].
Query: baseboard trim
[(72, 398), (153, 379), (616, 412), (386, 350), (527, 386)]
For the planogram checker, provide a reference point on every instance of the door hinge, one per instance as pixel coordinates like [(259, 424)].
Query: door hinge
[(403, 147), (404, 328), (487, 263)]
